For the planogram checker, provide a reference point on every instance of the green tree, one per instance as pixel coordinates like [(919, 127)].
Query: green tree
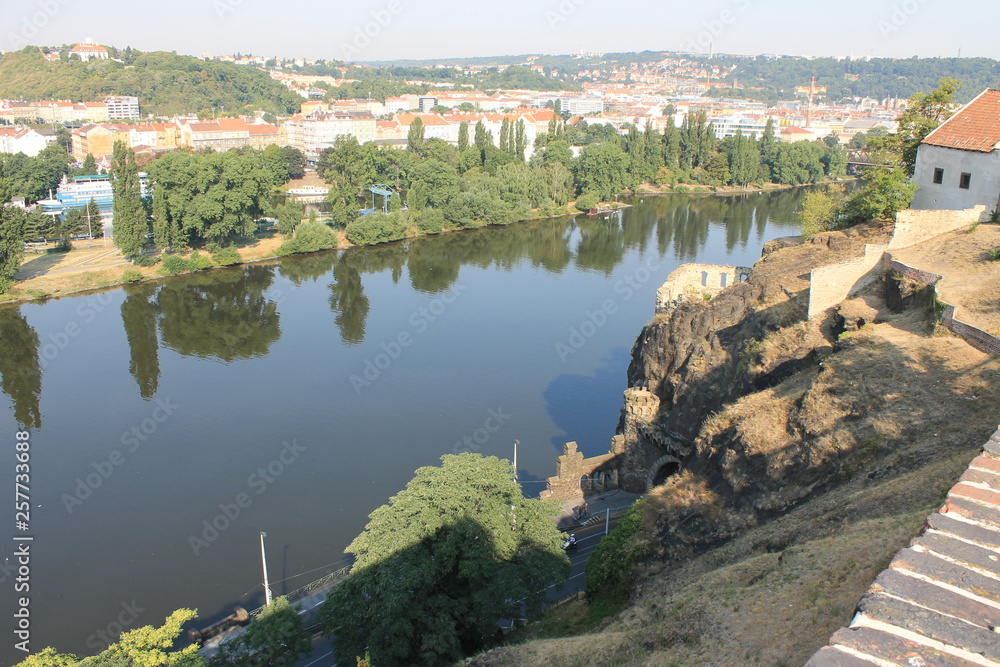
[(415, 137), (454, 552), (89, 167), (744, 160), (277, 637), (923, 115), (820, 210), (602, 169), (12, 230), (49, 657), (290, 214), (885, 193), (130, 225), (463, 134)]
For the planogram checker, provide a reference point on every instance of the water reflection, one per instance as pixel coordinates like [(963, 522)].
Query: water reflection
[(139, 317), (20, 372), (222, 314), (226, 315)]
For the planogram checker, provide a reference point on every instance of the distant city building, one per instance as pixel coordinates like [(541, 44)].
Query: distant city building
[(22, 140), (77, 192), (122, 107), (224, 134), (87, 51), (426, 104)]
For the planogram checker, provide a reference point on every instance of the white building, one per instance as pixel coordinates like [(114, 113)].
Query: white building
[(22, 140), (122, 107), (958, 164), (311, 134)]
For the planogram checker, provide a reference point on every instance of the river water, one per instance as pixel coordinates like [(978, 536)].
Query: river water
[(172, 422)]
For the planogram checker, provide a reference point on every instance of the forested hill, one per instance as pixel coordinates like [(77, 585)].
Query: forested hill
[(165, 83), (879, 78)]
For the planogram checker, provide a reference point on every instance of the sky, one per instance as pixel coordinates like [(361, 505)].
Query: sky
[(426, 29)]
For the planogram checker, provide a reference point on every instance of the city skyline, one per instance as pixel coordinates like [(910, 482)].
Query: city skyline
[(386, 30)]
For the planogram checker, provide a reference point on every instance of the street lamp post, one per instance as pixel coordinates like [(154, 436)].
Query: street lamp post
[(263, 560)]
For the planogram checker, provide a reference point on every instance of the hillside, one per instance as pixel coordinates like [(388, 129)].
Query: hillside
[(165, 83), (823, 461)]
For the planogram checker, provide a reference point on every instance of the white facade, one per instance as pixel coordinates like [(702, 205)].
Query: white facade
[(947, 165), (22, 140), (122, 107)]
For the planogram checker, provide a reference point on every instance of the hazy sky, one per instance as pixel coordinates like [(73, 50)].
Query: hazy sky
[(438, 28)]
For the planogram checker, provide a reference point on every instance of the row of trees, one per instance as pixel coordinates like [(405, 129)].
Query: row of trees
[(478, 183)]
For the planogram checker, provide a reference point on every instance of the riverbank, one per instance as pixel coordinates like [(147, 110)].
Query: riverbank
[(97, 264), (54, 275)]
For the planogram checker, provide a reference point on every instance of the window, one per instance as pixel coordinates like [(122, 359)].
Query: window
[(965, 181), (939, 176)]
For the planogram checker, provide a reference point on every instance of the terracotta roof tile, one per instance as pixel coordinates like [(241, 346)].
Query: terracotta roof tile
[(974, 128)]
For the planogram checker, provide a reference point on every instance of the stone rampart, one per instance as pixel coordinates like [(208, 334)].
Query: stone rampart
[(697, 281), (913, 227), (974, 336), (831, 284)]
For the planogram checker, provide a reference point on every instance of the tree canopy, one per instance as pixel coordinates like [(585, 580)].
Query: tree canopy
[(437, 566), (165, 83)]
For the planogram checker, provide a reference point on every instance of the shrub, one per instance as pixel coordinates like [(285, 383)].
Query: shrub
[(820, 210), (377, 228), (994, 254), (145, 260), (309, 237), (173, 264), (430, 221), (227, 256), (198, 262), (608, 566), (586, 201), (213, 247), (130, 275)]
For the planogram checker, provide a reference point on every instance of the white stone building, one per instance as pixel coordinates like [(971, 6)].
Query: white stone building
[(958, 164)]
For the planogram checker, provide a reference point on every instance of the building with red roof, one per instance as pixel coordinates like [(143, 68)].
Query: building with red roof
[(958, 164), (87, 51)]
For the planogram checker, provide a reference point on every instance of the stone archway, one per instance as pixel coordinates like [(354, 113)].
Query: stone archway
[(664, 467)]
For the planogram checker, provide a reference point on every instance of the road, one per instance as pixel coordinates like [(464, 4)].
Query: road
[(587, 538)]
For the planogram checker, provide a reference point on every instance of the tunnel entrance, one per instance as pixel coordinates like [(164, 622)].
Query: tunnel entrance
[(664, 468)]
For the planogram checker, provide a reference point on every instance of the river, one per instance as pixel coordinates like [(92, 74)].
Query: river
[(171, 422)]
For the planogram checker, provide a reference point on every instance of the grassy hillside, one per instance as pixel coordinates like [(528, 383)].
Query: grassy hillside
[(165, 83)]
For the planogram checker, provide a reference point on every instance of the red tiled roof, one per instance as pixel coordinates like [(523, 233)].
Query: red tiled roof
[(974, 128), (88, 47), (263, 129)]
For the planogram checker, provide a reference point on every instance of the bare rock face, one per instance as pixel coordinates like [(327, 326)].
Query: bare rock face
[(700, 355)]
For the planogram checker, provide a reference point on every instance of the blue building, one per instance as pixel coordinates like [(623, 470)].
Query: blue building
[(75, 193)]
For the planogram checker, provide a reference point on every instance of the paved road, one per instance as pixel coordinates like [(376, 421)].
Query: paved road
[(587, 537)]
